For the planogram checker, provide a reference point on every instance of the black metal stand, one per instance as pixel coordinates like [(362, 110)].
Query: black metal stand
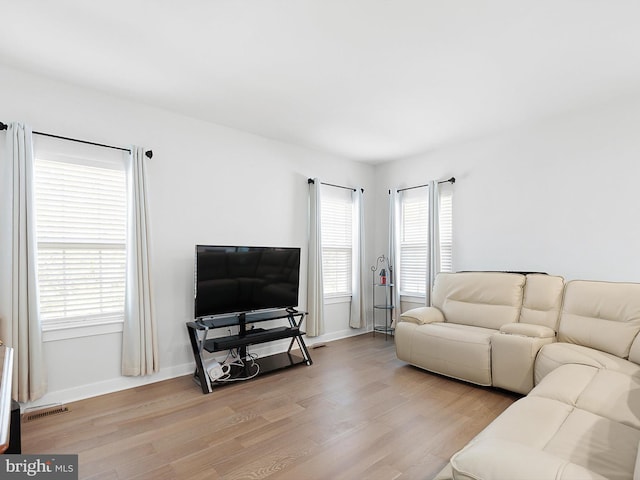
[(198, 332), (387, 306)]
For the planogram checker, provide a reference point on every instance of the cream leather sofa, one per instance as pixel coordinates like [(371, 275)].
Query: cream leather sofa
[(582, 418), (484, 327)]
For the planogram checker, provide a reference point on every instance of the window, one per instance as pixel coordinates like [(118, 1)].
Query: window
[(415, 227), (337, 240), (81, 230), (414, 241)]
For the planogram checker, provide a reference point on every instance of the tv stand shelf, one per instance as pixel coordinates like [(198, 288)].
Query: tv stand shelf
[(199, 330), (252, 337)]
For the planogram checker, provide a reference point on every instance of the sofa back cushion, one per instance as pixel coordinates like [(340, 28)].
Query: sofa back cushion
[(542, 300), (601, 315), (482, 299)]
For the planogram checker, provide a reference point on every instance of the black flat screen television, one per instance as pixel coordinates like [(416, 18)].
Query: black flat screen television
[(232, 279)]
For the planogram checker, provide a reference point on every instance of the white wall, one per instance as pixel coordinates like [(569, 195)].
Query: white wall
[(208, 184), (560, 196)]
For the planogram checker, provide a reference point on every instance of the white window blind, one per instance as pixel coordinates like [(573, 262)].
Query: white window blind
[(81, 229), (337, 240), (414, 240)]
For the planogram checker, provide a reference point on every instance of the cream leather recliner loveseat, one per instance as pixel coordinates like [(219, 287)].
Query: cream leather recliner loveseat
[(582, 418)]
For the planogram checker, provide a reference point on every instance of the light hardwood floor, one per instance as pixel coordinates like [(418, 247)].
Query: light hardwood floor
[(356, 413)]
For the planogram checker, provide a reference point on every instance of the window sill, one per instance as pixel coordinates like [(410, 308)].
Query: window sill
[(337, 299), (412, 298), (56, 333)]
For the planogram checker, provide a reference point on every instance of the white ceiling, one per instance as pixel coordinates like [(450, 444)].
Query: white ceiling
[(370, 80)]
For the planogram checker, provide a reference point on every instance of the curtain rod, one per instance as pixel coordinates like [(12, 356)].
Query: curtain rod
[(310, 180), (148, 153), (451, 180)]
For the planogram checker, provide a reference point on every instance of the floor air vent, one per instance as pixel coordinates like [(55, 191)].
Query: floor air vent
[(29, 416)]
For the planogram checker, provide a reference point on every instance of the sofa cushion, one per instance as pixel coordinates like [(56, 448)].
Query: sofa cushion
[(565, 383), (554, 355), (458, 351), (499, 459), (599, 444), (601, 315), (607, 393), (542, 300), (547, 436), (481, 299)]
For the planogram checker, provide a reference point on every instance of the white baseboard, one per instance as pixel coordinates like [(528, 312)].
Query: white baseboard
[(330, 337), (108, 386)]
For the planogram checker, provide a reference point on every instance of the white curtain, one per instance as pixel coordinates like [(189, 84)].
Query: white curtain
[(139, 337), (19, 307), (394, 253), (440, 232), (358, 317), (315, 290), (433, 264)]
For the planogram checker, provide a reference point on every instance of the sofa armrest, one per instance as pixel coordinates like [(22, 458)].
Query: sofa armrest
[(422, 315), (513, 354), (493, 458), (528, 330)]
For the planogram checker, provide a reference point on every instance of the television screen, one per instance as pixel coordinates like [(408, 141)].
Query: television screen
[(244, 279)]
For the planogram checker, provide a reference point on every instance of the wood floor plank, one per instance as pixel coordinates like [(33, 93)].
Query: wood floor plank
[(357, 412)]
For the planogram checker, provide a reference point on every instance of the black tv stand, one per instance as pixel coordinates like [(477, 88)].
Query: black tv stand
[(198, 331)]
